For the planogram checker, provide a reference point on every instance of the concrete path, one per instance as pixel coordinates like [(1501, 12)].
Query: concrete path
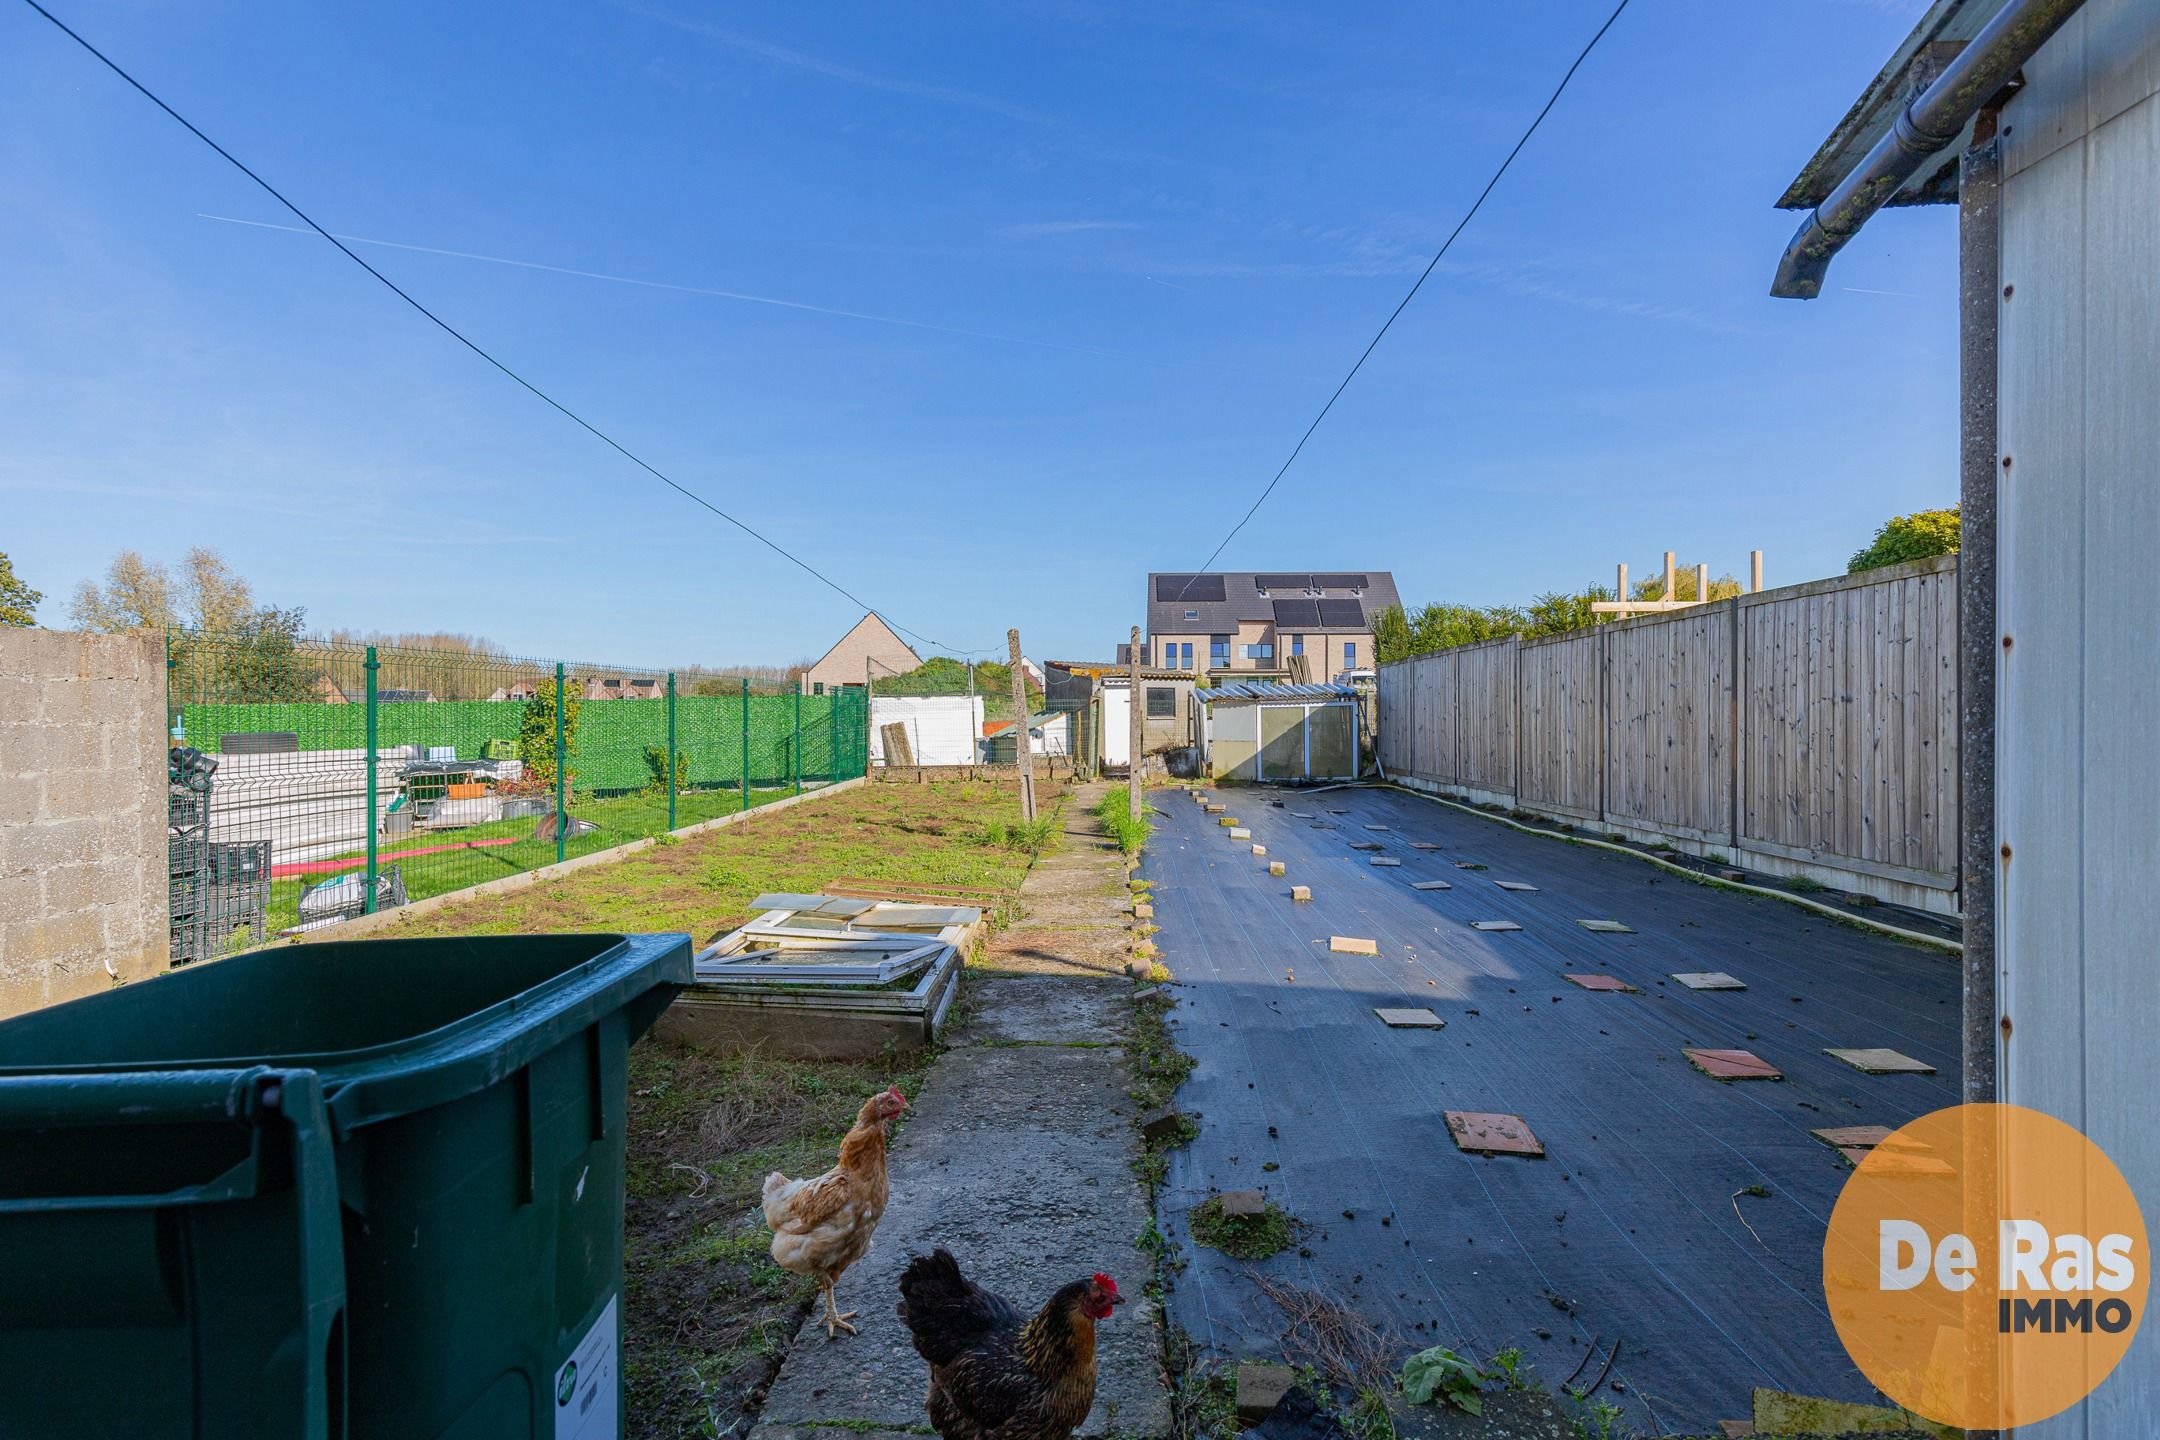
[(1018, 1159)]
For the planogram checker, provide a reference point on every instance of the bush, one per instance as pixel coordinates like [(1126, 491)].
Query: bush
[(656, 765), (536, 732), (1909, 537)]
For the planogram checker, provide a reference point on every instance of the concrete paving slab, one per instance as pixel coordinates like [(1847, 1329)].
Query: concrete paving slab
[(1410, 1019), (1423, 845), (1731, 1064), (1259, 849), (1881, 1061), (1366, 845), (1606, 927), (1260, 1388), (1276, 867), (1516, 885), (1243, 1202), (1863, 1137), (1494, 926), (1430, 885), (1708, 980), (1485, 1132), (1600, 982), (1351, 945), (1384, 861), (1301, 892)]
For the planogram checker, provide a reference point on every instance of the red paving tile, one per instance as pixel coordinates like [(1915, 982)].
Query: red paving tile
[(1600, 982), (1484, 1132), (1731, 1064)]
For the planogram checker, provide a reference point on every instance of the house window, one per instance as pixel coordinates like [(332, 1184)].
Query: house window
[(1192, 614), (1297, 644), (1349, 654), (817, 687), (1265, 650), (1161, 702), (1219, 652)]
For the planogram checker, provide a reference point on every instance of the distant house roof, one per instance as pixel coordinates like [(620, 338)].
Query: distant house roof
[(872, 634), (1313, 601)]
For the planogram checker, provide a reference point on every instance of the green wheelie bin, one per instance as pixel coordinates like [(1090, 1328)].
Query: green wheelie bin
[(346, 1191)]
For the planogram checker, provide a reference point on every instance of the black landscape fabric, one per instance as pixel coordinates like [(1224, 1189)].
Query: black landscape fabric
[(1677, 1215)]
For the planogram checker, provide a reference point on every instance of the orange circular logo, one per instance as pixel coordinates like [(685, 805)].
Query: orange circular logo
[(1986, 1266)]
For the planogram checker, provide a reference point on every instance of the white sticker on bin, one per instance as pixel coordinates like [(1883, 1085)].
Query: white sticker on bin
[(589, 1385)]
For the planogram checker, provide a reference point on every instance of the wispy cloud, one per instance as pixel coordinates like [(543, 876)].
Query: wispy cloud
[(1900, 294), (844, 74), (259, 502), (738, 295), (1037, 229)]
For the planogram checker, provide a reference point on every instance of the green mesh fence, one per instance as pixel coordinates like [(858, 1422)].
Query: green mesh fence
[(337, 779)]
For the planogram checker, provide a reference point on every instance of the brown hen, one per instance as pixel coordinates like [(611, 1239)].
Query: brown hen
[(823, 1225)]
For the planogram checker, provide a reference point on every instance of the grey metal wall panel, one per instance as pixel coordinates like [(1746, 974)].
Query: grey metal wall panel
[(2078, 769)]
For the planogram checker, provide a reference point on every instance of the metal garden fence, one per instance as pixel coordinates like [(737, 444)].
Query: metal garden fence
[(314, 781)]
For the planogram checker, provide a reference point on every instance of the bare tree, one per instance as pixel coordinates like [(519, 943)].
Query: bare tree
[(216, 599), (137, 595)]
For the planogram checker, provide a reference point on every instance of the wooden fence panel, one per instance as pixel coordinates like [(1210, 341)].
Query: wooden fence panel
[(1562, 724), (1816, 724), (1669, 736), (1851, 717)]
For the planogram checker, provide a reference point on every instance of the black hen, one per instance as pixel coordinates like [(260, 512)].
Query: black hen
[(995, 1373)]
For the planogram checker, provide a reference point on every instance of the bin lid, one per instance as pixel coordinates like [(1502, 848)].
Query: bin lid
[(392, 1026)]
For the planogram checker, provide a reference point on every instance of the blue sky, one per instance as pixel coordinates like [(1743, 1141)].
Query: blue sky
[(1136, 247)]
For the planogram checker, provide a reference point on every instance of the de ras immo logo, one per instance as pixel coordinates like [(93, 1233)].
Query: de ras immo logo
[(1986, 1266)]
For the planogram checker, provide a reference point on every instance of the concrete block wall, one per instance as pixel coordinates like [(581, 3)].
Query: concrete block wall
[(83, 889)]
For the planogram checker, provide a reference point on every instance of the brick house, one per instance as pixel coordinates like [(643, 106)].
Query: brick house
[(870, 641), (1307, 627)]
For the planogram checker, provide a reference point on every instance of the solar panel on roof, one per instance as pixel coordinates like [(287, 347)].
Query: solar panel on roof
[(1342, 614), (1282, 582), (1339, 582), (1189, 588), (1295, 614)]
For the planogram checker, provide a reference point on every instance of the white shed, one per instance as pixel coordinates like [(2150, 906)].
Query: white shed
[(942, 729), (2040, 119)]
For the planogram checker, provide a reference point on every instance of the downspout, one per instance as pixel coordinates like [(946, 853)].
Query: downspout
[(1929, 125)]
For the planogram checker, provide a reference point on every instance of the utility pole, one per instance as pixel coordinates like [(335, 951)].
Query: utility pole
[(1021, 751), (1136, 730)]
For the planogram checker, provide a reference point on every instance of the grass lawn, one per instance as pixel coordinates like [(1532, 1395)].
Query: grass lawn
[(707, 1315)]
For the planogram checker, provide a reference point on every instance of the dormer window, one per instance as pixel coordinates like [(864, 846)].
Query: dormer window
[(1192, 614)]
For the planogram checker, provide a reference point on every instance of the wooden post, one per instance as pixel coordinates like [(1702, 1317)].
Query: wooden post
[(1136, 721), (1022, 754), (1702, 584), (1672, 578), (1621, 594), (1754, 572)]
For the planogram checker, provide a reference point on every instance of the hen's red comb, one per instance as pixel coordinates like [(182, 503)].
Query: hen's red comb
[(1106, 1282)]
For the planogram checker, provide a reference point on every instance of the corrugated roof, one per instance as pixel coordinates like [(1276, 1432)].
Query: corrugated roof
[(1273, 690), (1217, 602)]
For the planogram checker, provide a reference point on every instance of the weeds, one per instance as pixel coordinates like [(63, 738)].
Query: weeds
[(1802, 885), (1115, 812), (1242, 1237), (1601, 1420), (1159, 1067), (1028, 837), (1441, 1374)]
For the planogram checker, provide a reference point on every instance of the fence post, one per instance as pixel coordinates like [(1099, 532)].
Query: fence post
[(562, 818), (671, 749), (1021, 753), (373, 858), (798, 739), (746, 742), (1136, 729)]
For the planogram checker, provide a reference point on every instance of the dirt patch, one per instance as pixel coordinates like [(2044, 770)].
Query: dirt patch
[(707, 1316)]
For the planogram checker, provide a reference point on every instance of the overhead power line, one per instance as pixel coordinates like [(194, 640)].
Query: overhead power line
[(458, 335), (1404, 303)]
